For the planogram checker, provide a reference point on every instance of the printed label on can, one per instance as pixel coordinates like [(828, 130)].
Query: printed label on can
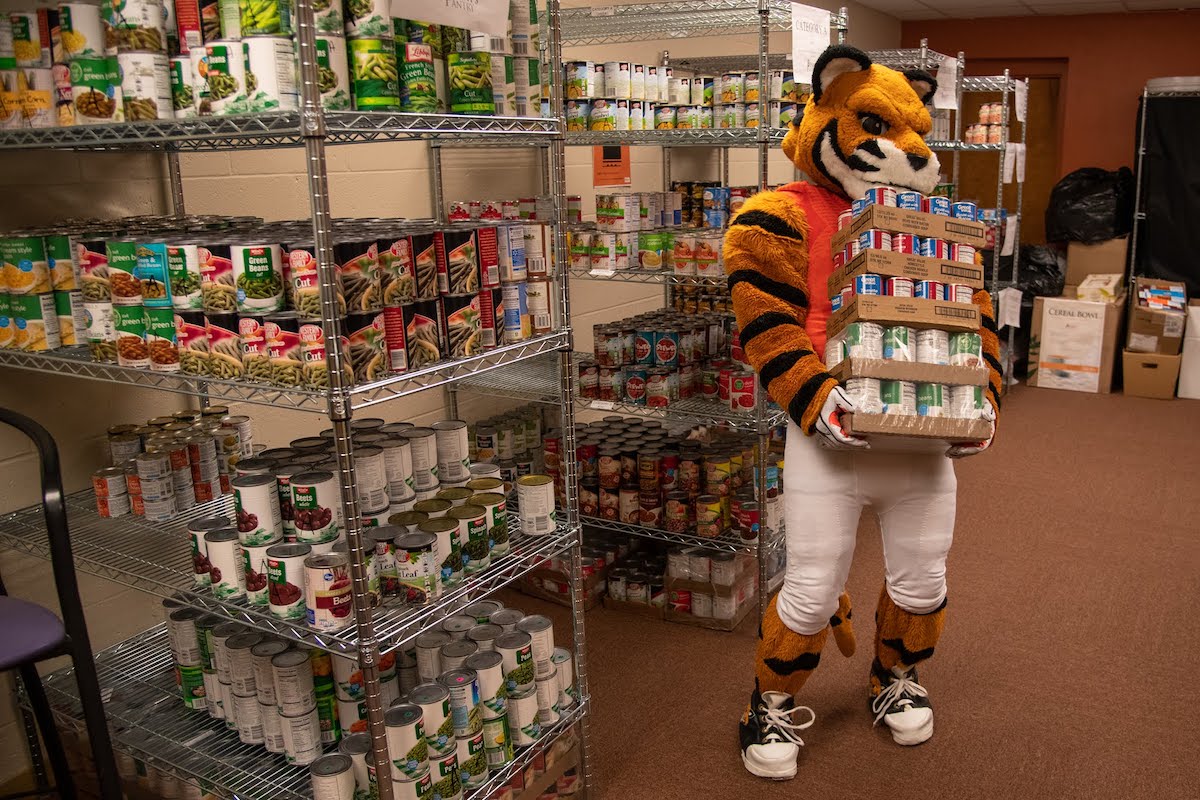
[(375, 74)]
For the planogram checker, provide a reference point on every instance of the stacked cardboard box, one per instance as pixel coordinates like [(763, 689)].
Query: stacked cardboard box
[(1189, 370), (1157, 321), (901, 426)]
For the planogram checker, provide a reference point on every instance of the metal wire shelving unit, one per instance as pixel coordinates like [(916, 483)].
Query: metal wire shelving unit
[(155, 559)]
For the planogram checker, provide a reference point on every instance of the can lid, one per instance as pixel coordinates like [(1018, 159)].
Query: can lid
[(415, 541), (428, 693), (507, 616), (535, 623), (289, 658), (221, 535), (269, 648), (329, 765), (243, 641), (333, 559), (466, 511), (485, 632), (184, 614), (256, 479), (228, 629), (448, 425), (313, 478), (398, 716), (288, 550), (416, 433), (457, 677), (488, 659), (458, 622), (513, 640), (430, 640), (357, 744)]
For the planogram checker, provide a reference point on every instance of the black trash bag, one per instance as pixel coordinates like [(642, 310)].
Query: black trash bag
[(1041, 271), (1091, 205)]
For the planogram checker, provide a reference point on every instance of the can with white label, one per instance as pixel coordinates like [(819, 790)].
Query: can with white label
[(898, 397), (226, 76), (270, 74), (225, 563), (146, 86)]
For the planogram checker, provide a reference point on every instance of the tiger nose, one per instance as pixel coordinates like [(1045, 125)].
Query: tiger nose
[(917, 162)]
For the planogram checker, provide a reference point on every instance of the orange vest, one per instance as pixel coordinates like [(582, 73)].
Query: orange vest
[(821, 208)]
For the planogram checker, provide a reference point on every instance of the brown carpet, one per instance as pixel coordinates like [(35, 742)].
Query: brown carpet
[(1065, 669)]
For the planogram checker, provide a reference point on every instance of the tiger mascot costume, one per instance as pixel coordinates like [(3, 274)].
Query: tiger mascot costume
[(862, 127)]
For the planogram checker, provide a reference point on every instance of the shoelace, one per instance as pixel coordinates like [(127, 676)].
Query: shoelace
[(778, 723), (894, 694)]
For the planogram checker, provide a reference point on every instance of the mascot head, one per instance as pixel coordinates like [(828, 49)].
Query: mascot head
[(863, 126)]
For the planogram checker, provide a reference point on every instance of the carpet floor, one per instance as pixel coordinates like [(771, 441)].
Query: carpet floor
[(1065, 670)]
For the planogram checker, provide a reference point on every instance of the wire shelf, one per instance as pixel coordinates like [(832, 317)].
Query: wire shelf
[(637, 275), (281, 129), (643, 21), (77, 362), (748, 62), (695, 137), (965, 147), (992, 83), (536, 381), (156, 558), (908, 58), (728, 542), (150, 722)]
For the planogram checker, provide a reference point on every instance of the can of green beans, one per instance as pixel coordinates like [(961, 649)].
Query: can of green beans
[(418, 84), (368, 19), (266, 17), (282, 334), (226, 77), (423, 333), (183, 88), (145, 86), (460, 321), (333, 77), (471, 83), (375, 75)]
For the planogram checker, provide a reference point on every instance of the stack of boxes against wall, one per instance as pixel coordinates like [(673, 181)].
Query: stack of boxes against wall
[(462, 699), (236, 298), (618, 95), (88, 63), (919, 356)]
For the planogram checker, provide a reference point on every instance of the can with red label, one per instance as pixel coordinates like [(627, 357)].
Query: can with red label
[(610, 384), (938, 206), (963, 253), (928, 290), (845, 219), (935, 248), (881, 196), (327, 591), (658, 387), (635, 385), (491, 317), (589, 381), (852, 250), (460, 321), (666, 348), (423, 333), (588, 455), (425, 258), (875, 239), (898, 287), (958, 292), (910, 200), (906, 243), (394, 340), (741, 391), (643, 347), (839, 259), (723, 379), (457, 262)]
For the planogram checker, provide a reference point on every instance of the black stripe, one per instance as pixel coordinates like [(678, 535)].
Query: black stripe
[(804, 662), (992, 387), (779, 365), (871, 146), (835, 620), (769, 223), (988, 322), (805, 395), (783, 291), (992, 362), (856, 163), (908, 657), (764, 323)]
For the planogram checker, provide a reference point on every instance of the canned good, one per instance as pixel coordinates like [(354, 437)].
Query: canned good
[(865, 393), (449, 548), (316, 500), (898, 286), (524, 721), (332, 69), (375, 73), (286, 579), (301, 737), (898, 397), (863, 340), (224, 553), (964, 210), (256, 499), (433, 699), (327, 591), (965, 402), (930, 399), (470, 78), (96, 90), (899, 343), (933, 347), (270, 74), (938, 206), (966, 349), (536, 504)]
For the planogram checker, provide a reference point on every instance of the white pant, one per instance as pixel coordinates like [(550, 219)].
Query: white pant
[(825, 492)]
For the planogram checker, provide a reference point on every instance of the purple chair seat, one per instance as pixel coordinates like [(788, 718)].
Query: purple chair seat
[(28, 633)]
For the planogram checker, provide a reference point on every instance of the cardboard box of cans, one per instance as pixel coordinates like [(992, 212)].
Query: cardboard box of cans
[(905, 341)]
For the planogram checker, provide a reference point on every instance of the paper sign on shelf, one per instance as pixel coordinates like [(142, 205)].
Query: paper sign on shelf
[(1014, 162), (1010, 227), (1021, 164), (489, 16), (1010, 307), (1022, 99), (610, 166), (946, 95), (810, 37)]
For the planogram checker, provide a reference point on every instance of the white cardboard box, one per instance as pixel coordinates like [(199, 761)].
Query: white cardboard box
[(1189, 370)]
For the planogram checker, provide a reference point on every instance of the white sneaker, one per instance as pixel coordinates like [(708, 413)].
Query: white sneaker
[(768, 735), (903, 704)]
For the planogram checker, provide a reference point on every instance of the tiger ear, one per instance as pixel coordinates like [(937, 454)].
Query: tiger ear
[(836, 61), (922, 83)]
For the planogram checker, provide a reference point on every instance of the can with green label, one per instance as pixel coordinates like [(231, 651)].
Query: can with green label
[(504, 85), (60, 257), (375, 74), (129, 323), (226, 76), (183, 88), (183, 268), (899, 397), (26, 267), (270, 17), (35, 321), (931, 398), (470, 77), (160, 339), (122, 264), (96, 90), (7, 331), (333, 76), (72, 324), (191, 686), (418, 83), (151, 272), (100, 330)]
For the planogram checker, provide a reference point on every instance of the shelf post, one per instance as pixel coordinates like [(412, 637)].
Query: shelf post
[(763, 130), (958, 126), (844, 27), (175, 177), (312, 125), (1138, 212), (436, 184), (760, 394)]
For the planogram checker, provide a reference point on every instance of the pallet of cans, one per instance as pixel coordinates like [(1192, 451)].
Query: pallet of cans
[(234, 298), (623, 96), (907, 346), (663, 357), (474, 692), (640, 473), (551, 581), (171, 463)]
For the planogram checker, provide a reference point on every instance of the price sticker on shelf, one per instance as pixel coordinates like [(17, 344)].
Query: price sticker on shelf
[(604, 11), (602, 405), (602, 273)]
